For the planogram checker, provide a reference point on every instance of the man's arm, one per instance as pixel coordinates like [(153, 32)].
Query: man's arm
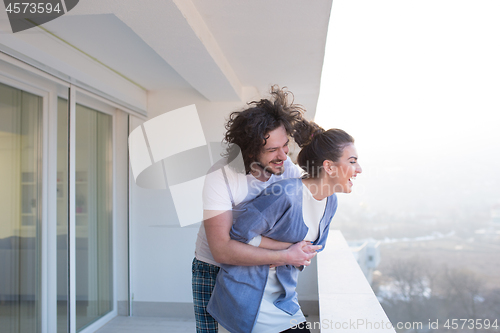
[(228, 251)]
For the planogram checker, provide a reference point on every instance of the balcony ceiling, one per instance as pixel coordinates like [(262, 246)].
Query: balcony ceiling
[(221, 48)]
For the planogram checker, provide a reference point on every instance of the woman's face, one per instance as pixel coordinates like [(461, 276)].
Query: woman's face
[(345, 170)]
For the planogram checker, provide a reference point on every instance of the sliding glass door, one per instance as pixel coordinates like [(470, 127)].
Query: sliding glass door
[(41, 238), (92, 187), (93, 206), (20, 207), (62, 191)]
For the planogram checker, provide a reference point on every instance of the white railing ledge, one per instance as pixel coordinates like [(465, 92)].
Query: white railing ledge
[(347, 303)]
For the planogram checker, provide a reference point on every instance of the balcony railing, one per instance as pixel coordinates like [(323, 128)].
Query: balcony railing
[(347, 303)]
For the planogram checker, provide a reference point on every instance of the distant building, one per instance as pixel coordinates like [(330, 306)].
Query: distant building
[(367, 254)]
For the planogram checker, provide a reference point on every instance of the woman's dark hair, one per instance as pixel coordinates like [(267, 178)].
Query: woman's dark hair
[(249, 129), (319, 145)]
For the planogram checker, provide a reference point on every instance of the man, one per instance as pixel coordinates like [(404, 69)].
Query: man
[(262, 133)]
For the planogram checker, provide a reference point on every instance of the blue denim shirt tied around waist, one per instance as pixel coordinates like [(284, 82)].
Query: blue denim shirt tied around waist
[(276, 213)]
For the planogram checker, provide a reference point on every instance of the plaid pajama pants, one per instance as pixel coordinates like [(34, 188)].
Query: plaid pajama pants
[(204, 276)]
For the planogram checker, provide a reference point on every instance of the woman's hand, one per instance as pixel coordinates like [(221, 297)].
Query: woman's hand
[(299, 254)]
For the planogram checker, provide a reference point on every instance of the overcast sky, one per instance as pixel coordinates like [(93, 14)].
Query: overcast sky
[(417, 83)]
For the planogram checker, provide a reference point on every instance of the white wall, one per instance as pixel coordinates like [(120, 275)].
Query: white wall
[(36, 47)]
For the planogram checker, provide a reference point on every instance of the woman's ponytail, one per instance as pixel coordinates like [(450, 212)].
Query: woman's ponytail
[(305, 132)]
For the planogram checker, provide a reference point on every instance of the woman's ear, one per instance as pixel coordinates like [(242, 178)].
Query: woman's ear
[(329, 167)]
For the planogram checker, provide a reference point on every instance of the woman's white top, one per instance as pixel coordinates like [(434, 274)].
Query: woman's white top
[(271, 319)]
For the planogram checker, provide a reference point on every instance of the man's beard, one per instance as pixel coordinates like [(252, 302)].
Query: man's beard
[(269, 169)]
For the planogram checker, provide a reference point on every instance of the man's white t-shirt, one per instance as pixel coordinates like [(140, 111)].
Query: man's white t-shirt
[(243, 188)]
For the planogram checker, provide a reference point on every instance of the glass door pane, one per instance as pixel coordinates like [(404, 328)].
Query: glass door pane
[(20, 207), (62, 215), (93, 207)]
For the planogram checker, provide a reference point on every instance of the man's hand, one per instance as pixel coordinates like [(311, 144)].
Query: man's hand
[(299, 254)]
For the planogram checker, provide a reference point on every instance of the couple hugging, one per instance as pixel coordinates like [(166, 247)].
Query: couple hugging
[(263, 224)]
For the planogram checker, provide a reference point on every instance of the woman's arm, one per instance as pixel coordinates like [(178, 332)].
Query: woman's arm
[(271, 244)]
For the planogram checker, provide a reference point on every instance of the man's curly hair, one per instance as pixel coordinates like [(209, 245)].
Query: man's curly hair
[(249, 129)]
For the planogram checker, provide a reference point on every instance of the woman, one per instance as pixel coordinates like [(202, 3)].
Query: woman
[(263, 299)]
